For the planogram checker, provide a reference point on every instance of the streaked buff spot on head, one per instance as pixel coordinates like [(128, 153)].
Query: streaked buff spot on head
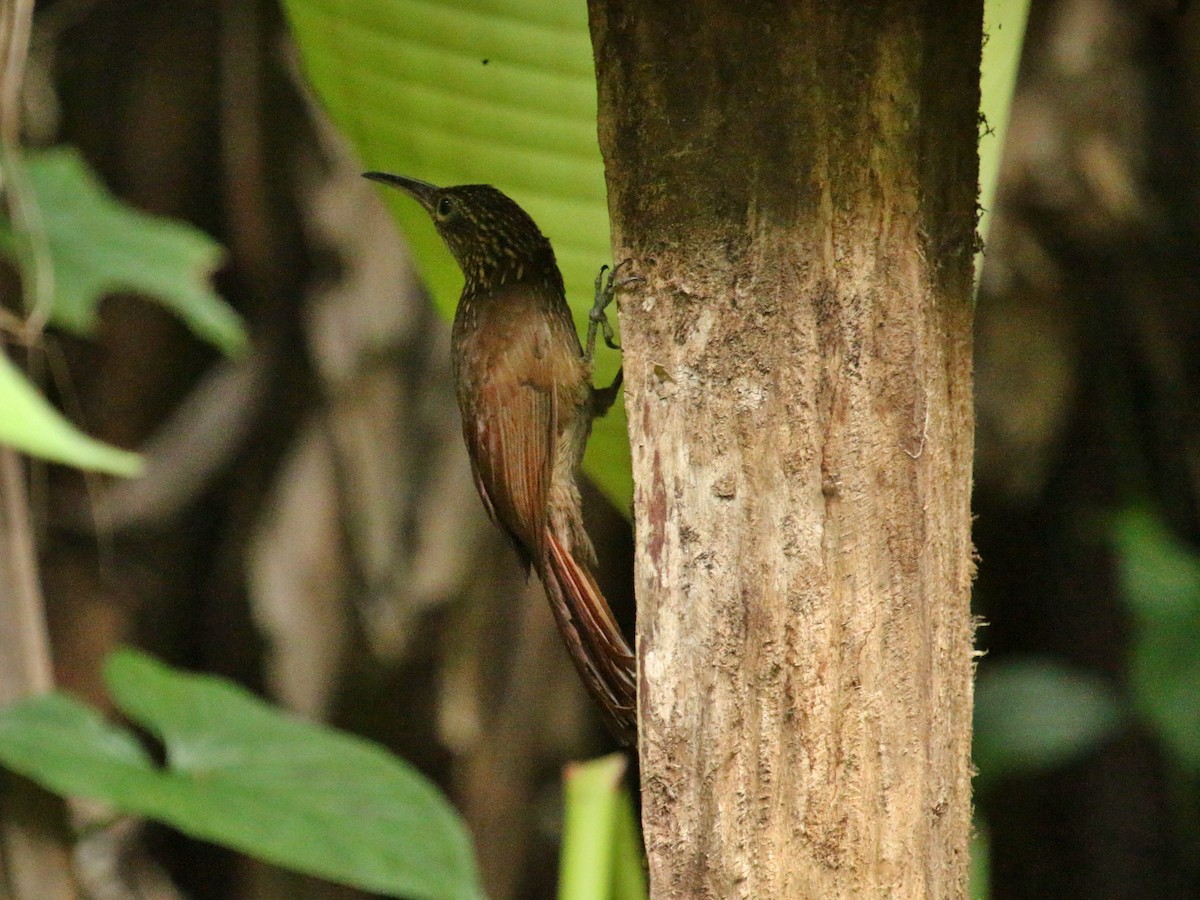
[(493, 239)]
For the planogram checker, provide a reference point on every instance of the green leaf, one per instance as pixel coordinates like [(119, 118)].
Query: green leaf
[(1004, 29), (1165, 674), (1035, 714), (30, 424), (1161, 580), (1159, 574), (99, 246), (244, 775), (494, 91), (601, 850), (981, 875)]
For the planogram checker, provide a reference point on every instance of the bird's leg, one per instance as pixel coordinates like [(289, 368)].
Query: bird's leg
[(606, 290)]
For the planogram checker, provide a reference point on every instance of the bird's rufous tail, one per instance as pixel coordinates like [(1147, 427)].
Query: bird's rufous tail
[(594, 641)]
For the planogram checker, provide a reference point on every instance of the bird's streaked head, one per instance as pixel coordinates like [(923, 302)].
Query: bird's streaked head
[(494, 241)]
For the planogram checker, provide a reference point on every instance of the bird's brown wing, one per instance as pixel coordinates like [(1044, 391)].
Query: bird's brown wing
[(510, 424), (511, 427)]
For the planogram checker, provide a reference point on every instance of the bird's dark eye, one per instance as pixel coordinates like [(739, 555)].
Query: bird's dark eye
[(445, 208)]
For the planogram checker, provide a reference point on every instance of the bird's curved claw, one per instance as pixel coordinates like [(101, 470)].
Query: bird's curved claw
[(607, 285)]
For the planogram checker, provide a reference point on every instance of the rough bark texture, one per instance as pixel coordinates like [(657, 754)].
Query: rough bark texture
[(796, 184)]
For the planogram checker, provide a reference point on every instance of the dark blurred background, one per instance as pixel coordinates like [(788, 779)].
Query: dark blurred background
[(308, 525), (1088, 465)]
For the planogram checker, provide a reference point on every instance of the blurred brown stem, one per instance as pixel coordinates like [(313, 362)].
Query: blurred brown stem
[(33, 862), (33, 859)]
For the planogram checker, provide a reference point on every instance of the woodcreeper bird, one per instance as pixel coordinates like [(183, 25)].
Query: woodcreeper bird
[(524, 386)]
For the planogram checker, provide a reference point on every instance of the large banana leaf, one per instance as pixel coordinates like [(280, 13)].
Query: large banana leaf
[(503, 91)]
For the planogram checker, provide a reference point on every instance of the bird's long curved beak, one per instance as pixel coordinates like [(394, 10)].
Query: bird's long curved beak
[(423, 191)]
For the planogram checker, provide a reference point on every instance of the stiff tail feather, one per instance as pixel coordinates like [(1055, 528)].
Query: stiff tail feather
[(595, 643)]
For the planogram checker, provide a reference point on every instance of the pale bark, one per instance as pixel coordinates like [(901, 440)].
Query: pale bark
[(796, 184)]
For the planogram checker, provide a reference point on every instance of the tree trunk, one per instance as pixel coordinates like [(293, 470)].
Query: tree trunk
[(796, 184)]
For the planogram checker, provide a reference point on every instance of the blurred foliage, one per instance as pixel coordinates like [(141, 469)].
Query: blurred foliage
[(1161, 580), (1004, 35), (495, 91), (601, 850), (28, 423), (980, 863), (244, 775), (96, 247), (1037, 713), (1032, 714), (99, 246)]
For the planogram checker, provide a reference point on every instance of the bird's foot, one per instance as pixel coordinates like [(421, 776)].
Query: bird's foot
[(607, 285)]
